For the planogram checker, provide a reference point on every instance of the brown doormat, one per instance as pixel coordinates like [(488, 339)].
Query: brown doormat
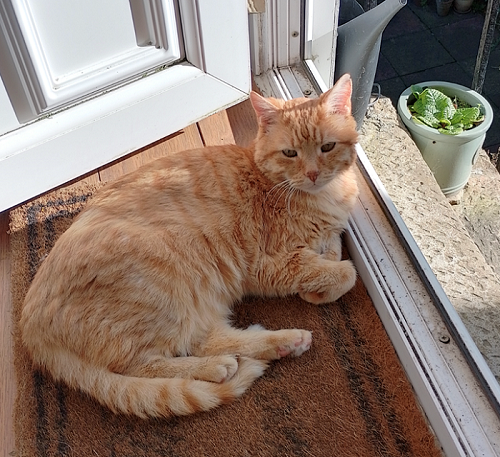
[(347, 396)]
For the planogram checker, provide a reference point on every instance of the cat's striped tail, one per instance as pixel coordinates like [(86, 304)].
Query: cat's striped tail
[(159, 397)]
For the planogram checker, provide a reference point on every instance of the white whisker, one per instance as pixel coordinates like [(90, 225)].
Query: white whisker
[(278, 191), (293, 191), (288, 200), (275, 188)]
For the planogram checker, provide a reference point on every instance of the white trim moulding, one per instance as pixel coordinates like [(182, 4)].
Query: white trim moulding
[(453, 322)]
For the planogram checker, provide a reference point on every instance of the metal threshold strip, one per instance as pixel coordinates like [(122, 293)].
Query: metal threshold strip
[(456, 389), (440, 300)]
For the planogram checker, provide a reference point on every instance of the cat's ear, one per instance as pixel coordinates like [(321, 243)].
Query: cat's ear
[(265, 110), (338, 98)]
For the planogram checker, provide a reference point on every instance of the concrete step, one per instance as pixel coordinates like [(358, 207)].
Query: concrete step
[(459, 241)]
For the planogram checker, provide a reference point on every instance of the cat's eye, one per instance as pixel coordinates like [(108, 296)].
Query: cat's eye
[(327, 147), (290, 152)]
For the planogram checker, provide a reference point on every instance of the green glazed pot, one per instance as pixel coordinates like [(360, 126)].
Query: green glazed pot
[(443, 7), (462, 6), (450, 157)]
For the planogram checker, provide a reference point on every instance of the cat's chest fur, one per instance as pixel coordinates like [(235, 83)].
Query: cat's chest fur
[(315, 221)]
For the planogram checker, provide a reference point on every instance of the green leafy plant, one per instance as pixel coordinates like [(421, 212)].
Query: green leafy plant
[(447, 115)]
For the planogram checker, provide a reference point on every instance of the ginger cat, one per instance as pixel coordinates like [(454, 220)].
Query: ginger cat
[(133, 303)]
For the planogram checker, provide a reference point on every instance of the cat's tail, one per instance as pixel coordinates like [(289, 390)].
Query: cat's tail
[(161, 397)]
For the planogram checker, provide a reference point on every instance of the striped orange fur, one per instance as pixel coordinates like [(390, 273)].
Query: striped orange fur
[(133, 303)]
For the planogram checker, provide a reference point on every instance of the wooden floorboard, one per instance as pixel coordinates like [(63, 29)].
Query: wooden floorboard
[(235, 125), (216, 130), (243, 123), (189, 138)]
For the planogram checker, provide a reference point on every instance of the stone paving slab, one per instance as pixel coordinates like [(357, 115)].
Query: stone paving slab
[(461, 39), (440, 229), (441, 73), (480, 210), (426, 52)]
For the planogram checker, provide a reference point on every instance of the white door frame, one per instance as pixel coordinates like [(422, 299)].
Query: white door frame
[(455, 387), (59, 147)]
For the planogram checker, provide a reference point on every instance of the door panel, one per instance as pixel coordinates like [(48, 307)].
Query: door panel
[(321, 39), (61, 51), (63, 145), (8, 119)]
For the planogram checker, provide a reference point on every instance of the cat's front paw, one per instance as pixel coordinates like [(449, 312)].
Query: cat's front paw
[(343, 280), (299, 343), (316, 298)]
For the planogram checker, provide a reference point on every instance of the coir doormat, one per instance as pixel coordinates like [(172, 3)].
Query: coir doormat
[(347, 396)]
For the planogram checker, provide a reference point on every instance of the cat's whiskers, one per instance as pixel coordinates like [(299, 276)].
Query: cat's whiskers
[(284, 192), (278, 191), (285, 189), (276, 187), (292, 191)]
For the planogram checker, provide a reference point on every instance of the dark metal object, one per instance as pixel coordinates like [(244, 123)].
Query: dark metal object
[(483, 54)]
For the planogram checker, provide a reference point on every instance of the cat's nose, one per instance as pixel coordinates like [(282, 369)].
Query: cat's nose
[(312, 175)]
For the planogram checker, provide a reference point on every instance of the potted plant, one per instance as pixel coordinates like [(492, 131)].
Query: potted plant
[(443, 7), (448, 138), (462, 6)]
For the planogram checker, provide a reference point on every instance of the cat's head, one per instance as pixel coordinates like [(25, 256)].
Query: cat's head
[(307, 142)]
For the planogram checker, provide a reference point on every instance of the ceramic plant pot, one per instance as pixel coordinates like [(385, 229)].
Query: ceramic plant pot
[(443, 7), (450, 157), (462, 6)]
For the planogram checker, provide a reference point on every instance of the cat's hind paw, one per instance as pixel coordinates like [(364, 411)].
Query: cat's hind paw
[(219, 369), (300, 343), (316, 298)]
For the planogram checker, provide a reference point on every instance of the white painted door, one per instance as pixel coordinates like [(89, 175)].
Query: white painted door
[(83, 82), (320, 40)]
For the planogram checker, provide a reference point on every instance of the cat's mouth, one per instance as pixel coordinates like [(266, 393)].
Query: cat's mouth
[(312, 187)]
